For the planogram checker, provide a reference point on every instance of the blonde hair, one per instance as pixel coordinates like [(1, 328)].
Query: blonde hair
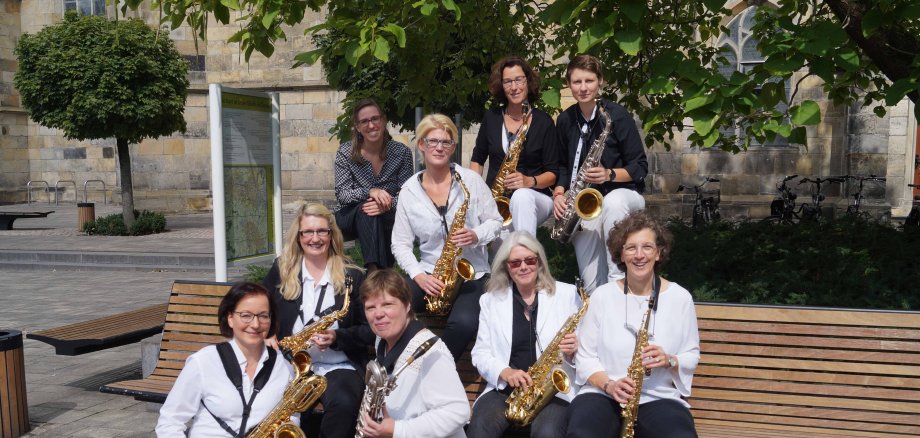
[(501, 278), (435, 121), (291, 259)]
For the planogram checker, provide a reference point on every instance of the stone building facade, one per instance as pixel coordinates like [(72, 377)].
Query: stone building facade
[(173, 173)]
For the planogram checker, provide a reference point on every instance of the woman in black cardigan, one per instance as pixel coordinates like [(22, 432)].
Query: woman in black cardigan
[(514, 85), (307, 281)]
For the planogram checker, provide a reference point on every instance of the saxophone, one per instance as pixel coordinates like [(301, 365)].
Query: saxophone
[(379, 385), (637, 373), (548, 378), (509, 165), (451, 265), (301, 341), (583, 202), (299, 395)]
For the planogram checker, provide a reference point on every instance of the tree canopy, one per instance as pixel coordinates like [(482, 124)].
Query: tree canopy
[(660, 56), (93, 78)]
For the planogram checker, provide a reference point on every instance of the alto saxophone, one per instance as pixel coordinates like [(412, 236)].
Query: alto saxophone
[(583, 202), (301, 393), (637, 373), (509, 165), (301, 341), (451, 267), (546, 373), (378, 385)]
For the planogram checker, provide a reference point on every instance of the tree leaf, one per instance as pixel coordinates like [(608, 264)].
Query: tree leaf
[(552, 97), (806, 113), (714, 5), (629, 40), (232, 4), (871, 21), (698, 102), (799, 135), (848, 59), (703, 124), (451, 6), (633, 10), (898, 90), (592, 36), (308, 58), (398, 32), (381, 48), (269, 18)]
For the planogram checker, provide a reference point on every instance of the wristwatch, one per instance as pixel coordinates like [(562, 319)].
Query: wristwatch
[(613, 174), (672, 362)]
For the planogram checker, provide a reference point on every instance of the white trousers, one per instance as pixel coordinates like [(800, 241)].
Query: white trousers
[(529, 209), (594, 262)]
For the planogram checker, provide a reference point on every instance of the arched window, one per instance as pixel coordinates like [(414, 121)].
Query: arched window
[(86, 7), (739, 46)]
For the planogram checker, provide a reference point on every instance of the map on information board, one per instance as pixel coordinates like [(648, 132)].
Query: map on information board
[(247, 203)]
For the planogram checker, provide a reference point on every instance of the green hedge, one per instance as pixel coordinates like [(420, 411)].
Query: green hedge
[(146, 222)]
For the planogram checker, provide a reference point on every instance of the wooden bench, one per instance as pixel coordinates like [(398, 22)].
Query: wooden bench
[(191, 324), (8, 217), (770, 371), (106, 332)]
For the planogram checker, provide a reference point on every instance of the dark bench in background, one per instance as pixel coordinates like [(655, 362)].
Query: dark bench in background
[(106, 332), (7, 217)]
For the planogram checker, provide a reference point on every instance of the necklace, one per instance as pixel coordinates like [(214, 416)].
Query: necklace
[(640, 301), (515, 118)]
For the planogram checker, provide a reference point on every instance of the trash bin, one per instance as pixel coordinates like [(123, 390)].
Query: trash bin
[(14, 410), (86, 212)]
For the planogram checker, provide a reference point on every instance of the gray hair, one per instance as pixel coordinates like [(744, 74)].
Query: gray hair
[(501, 279)]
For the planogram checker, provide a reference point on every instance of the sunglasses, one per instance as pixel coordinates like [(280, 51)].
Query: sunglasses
[(529, 261)]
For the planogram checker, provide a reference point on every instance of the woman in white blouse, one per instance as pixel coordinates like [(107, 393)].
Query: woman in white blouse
[(639, 245), (307, 281), (369, 170), (429, 400), (522, 300), (204, 392), (428, 202)]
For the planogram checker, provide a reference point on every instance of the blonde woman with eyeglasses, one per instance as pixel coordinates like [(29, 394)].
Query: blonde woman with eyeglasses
[(429, 200), (307, 281), (522, 310)]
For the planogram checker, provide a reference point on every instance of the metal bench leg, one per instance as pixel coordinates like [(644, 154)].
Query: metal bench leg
[(6, 223)]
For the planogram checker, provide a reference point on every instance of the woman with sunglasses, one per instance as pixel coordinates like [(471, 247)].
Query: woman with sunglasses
[(522, 311), (514, 84), (205, 392), (428, 203), (369, 170), (639, 245), (307, 281)]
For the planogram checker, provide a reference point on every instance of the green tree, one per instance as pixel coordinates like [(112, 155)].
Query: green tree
[(93, 78), (659, 54)]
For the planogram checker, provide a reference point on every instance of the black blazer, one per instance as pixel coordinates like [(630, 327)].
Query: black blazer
[(623, 148), (354, 335), (540, 152)]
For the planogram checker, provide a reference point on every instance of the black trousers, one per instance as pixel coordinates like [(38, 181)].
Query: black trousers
[(489, 420), (463, 320), (372, 233), (341, 402), (593, 415)]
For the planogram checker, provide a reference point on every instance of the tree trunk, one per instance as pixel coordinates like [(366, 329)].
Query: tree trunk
[(127, 187)]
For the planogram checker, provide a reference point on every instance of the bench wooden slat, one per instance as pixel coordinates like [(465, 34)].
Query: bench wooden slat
[(810, 365), (870, 318), (841, 425), (815, 353), (192, 318), (795, 399), (707, 428), (709, 325), (802, 411), (811, 341), (193, 328), (807, 376), (106, 332), (769, 386)]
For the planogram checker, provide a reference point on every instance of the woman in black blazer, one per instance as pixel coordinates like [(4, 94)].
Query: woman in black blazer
[(307, 281), (514, 85)]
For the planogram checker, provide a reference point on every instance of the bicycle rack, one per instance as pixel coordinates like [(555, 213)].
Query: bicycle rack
[(29, 189), (104, 201), (57, 201)]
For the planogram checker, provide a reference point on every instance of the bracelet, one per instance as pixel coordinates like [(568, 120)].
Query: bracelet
[(534, 182), (605, 385)]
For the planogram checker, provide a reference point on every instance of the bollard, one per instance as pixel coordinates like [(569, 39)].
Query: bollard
[(86, 212), (14, 410)]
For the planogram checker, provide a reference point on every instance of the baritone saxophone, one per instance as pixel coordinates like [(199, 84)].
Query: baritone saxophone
[(509, 166), (451, 268), (548, 377)]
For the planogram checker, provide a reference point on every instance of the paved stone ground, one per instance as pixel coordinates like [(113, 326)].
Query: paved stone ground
[(62, 391)]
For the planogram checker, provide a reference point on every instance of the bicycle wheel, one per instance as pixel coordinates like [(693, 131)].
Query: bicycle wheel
[(698, 219)]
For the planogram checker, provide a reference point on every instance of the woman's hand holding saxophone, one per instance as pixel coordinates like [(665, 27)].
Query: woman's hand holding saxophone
[(569, 346), (464, 237), (373, 429), (429, 284), (516, 378)]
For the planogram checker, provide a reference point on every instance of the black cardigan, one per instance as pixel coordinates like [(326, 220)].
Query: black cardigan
[(623, 148), (540, 152), (354, 335)]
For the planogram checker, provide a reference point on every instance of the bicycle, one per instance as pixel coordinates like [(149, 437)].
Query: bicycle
[(853, 209), (812, 211), (782, 210), (705, 208)]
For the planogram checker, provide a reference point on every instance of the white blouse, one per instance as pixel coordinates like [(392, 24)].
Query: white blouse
[(203, 380), (492, 351), (607, 340), (429, 400), (417, 218), (331, 359)]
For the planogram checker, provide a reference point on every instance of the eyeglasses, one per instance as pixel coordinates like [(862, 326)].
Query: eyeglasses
[(322, 232), (375, 120), (246, 317), (519, 81), (529, 261), (438, 143), (646, 249)]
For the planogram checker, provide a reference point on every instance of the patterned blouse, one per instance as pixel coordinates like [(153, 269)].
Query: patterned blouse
[(353, 181)]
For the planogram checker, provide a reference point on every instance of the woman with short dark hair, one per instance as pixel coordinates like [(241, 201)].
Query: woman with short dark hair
[(208, 397)]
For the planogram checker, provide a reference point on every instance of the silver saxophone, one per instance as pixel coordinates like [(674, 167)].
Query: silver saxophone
[(379, 385)]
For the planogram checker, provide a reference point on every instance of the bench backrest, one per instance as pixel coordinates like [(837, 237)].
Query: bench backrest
[(807, 369), (191, 324)]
